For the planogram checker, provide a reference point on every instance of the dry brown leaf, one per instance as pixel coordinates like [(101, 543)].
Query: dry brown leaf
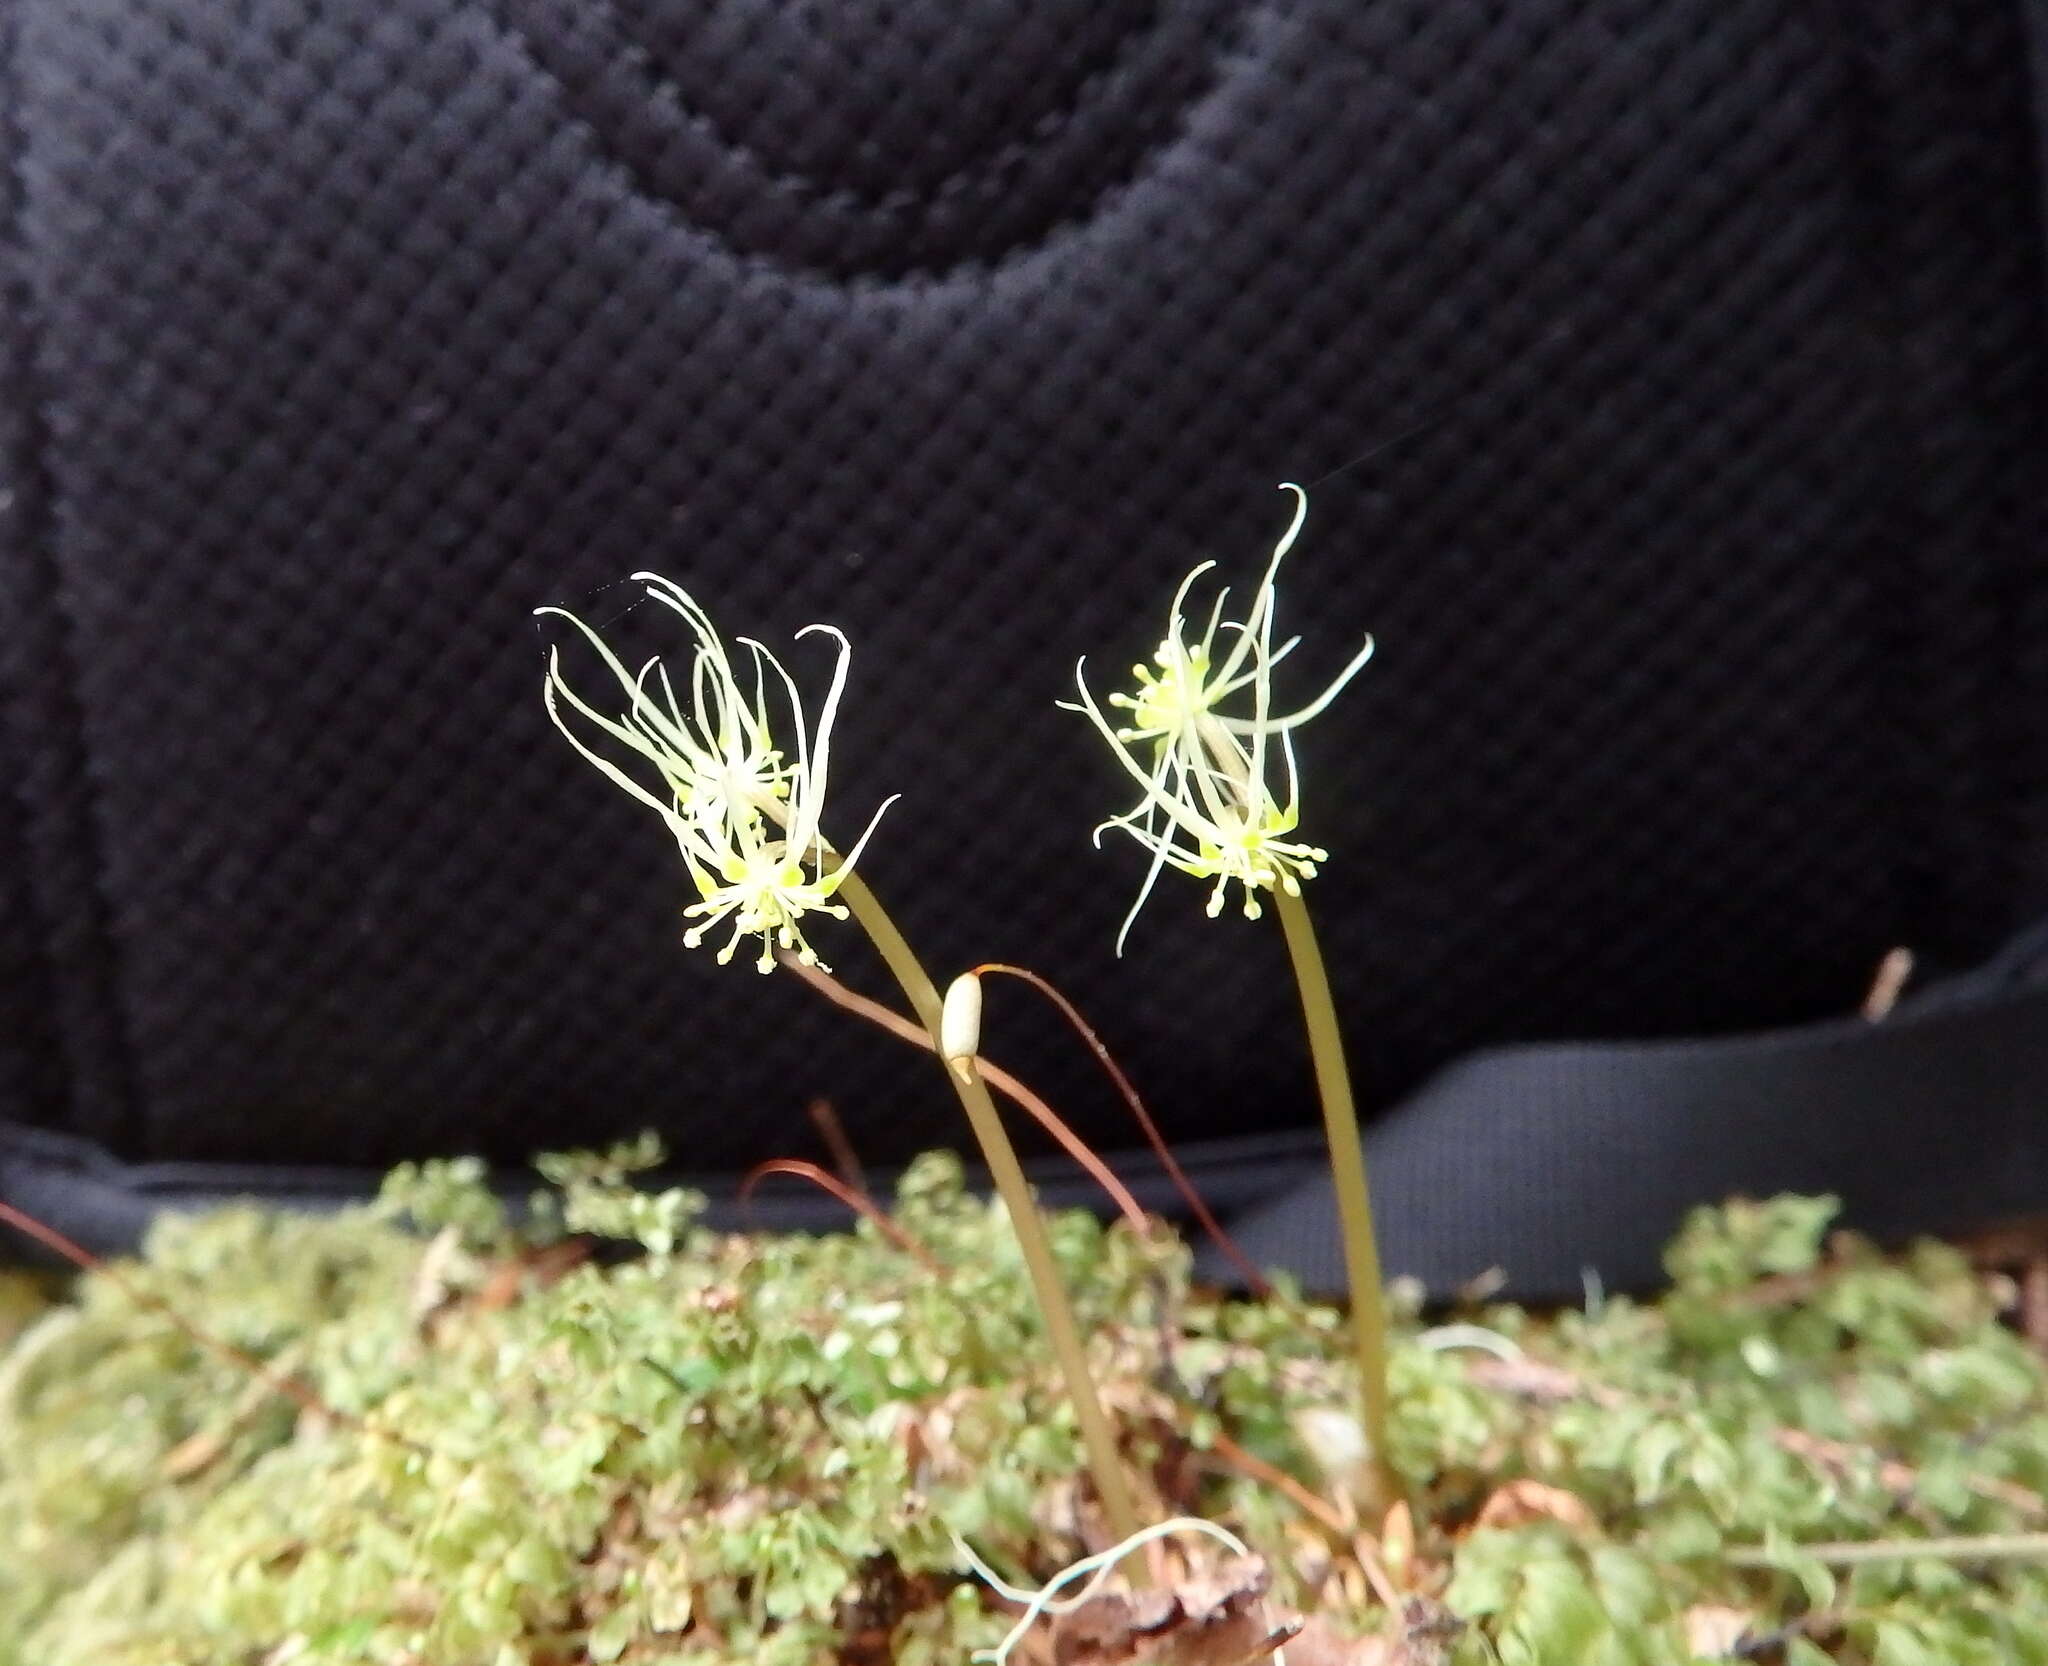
[(1428, 1629), (2034, 1303), (433, 1280), (1320, 1644), (194, 1455), (1217, 1619), (1397, 1543), (1523, 1501), (544, 1267), (1234, 1583)]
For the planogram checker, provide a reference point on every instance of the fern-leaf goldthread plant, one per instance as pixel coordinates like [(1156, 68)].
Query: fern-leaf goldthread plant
[(745, 809), (1203, 741), (744, 815)]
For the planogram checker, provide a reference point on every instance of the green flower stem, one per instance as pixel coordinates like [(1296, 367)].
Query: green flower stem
[(1015, 1192), (1347, 1171)]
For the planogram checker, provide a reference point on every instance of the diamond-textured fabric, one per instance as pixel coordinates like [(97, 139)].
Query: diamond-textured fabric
[(1667, 376)]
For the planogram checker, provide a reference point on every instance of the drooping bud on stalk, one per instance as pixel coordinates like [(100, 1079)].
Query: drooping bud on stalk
[(960, 1025)]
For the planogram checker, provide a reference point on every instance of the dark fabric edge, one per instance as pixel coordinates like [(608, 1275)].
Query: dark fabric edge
[(1563, 1164), (106, 1205)]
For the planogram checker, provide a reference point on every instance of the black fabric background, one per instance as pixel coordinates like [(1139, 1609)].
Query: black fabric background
[(1668, 373)]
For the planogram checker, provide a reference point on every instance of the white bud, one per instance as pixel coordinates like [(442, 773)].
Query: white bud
[(960, 1025)]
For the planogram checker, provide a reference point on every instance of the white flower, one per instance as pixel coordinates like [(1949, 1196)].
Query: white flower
[(1208, 807), (745, 818)]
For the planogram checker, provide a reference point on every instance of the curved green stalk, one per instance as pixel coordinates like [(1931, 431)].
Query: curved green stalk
[(1347, 1172), (1008, 1174)]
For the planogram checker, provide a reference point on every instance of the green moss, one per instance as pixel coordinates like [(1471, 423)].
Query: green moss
[(749, 1449)]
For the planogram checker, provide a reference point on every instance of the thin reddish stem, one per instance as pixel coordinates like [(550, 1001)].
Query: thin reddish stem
[(998, 1078), (833, 1132), (1278, 1479), (85, 1261), (1222, 1240), (857, 1201)]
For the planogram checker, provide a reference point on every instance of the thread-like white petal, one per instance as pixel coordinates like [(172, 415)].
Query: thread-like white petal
[(1206, 805), (745, 819)]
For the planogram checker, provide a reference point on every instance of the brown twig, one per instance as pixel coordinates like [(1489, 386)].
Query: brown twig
[(996, 1077), (1889, 983), (857, 1201), (1376, 1574), (1319, 1510), (1253, 1278), (1249, 1463)]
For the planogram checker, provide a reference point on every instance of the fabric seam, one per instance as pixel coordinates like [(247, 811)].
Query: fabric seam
[(94, 978)]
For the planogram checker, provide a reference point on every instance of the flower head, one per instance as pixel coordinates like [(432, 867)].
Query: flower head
[(1207, 805), (743, 814)]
